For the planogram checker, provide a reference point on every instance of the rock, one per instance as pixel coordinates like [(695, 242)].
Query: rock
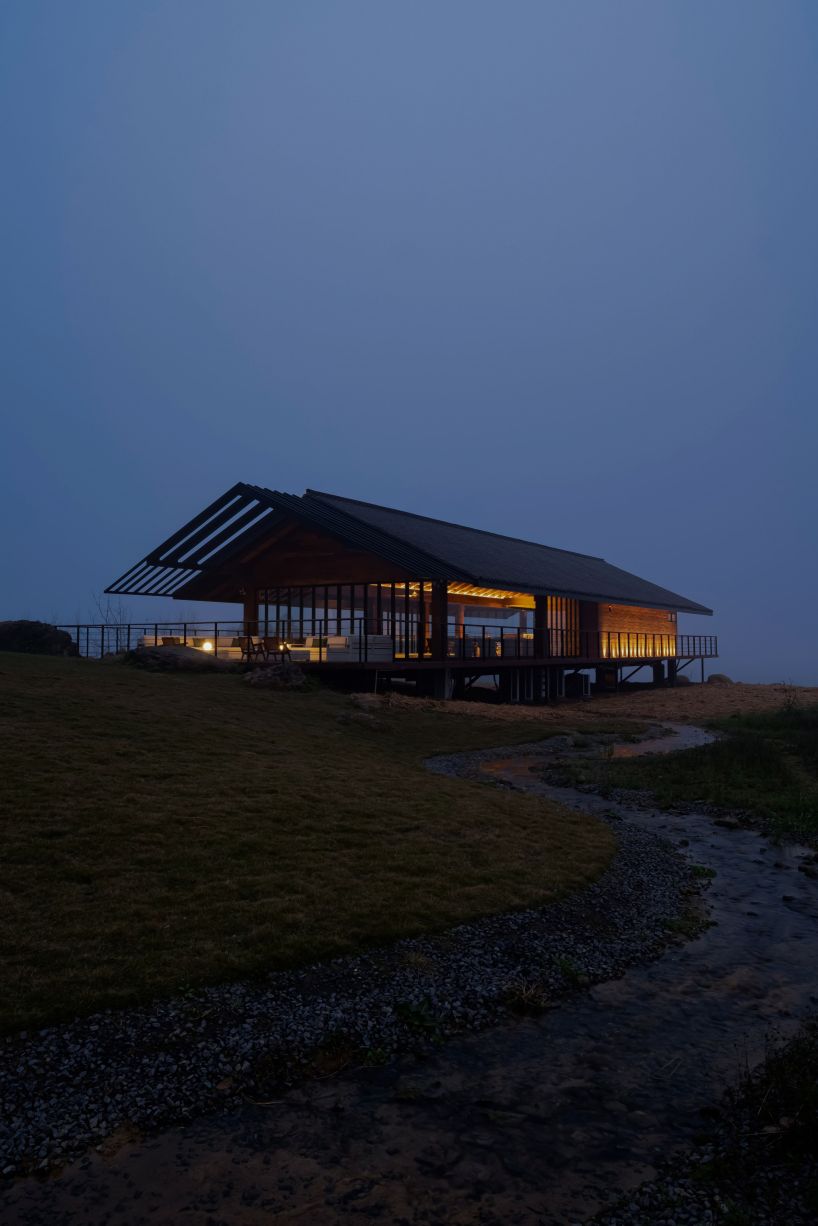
[(36, 638), (177, 659), (363, 719), (719, 679), (283, 675), (371, 703), (682, 679)]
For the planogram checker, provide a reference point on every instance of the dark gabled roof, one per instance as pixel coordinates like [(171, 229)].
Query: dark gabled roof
[(491, 560), (427, 548)]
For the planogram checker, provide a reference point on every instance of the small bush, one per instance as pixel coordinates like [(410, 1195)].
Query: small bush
[(527, 998), (36, 638)]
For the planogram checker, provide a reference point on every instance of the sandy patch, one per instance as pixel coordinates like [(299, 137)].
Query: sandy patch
[(683, 704)]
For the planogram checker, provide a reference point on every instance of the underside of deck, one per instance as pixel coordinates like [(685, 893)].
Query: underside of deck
[(489, 667)]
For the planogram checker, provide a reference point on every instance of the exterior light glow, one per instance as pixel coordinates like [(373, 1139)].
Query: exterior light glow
[(207, 645)]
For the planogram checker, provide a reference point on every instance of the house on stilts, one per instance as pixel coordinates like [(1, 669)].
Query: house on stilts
[(370, 594)]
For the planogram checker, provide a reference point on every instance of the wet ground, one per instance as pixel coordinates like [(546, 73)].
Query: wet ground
[(673, 737), (538, 1121)]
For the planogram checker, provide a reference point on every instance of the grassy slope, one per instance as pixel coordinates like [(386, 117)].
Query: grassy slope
[(159, 831), (764, 764)]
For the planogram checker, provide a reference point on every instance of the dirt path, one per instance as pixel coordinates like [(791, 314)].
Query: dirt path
[(682, 704), (540, 1121)]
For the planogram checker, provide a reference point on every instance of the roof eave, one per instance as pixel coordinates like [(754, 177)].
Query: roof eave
[(679, 605)]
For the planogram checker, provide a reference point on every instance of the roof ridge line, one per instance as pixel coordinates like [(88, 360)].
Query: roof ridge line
[(442, 562), (430, 519)]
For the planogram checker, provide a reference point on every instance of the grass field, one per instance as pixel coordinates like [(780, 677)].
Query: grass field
[(765, 764), (161, 831)]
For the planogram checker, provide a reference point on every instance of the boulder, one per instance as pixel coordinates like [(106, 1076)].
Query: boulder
[(283, 675), (178, 659), (36, 638), (682, 679), (719, 679), (371, 703), (362, 719)]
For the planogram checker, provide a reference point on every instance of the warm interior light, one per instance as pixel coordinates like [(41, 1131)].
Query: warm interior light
[(207, 645)]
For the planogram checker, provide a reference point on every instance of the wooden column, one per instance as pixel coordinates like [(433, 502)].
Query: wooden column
[(250, 612), (421, 630), (407, 607), (459, 612), (373, 619), (540, 626), (589, 645), (440, 620)]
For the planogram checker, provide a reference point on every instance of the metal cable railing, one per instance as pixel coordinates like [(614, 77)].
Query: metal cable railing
[(358, 639)]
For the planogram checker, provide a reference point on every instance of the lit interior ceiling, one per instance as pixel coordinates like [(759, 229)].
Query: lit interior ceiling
[(519, 600), (467, 593)]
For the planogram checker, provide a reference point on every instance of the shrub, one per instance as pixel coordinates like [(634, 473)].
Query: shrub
[(36, 638)]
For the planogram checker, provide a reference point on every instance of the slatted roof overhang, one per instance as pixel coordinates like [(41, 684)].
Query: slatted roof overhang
[(227, 528)]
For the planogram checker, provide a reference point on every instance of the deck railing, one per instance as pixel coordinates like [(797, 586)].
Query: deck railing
[(349, 640)]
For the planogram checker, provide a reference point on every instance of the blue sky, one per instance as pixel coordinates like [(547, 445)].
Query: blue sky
[(545, 268)]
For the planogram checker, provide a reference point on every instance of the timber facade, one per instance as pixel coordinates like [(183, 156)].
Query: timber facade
[(348, 587)]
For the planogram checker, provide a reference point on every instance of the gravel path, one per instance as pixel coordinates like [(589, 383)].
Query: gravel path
[(68, 1087), (541, 1121)]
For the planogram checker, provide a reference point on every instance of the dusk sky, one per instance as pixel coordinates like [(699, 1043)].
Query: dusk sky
[(545, 268)]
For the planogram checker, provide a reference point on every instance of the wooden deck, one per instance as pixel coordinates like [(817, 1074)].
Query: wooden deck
[(484, 648)]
